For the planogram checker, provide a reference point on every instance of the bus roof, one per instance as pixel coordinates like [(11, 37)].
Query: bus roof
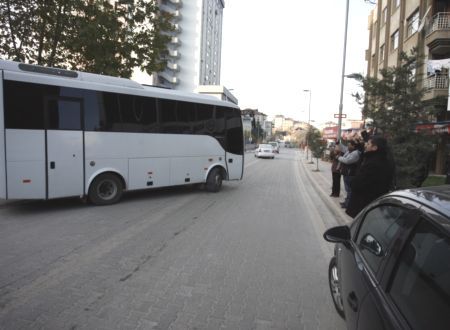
[(77, 79)]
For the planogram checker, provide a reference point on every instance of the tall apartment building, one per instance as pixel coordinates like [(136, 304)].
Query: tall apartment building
[(401, 25), (195, 48)]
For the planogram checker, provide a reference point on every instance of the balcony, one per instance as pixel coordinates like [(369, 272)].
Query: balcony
[(435, 85), (177, 28), (176, 3), (173, 66), (175, 41), (176, 14), (438, 34), (168, 78), (174, 53)]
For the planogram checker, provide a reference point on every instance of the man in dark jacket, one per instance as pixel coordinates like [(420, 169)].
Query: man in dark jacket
[(373, 178)]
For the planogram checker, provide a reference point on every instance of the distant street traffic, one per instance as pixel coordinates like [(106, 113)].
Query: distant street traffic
[(251, 256)]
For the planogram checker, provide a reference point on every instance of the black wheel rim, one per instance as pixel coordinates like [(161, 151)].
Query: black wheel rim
[(107, 190)]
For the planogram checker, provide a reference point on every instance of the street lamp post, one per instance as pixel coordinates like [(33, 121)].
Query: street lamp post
[(343, 75), (309, 120)]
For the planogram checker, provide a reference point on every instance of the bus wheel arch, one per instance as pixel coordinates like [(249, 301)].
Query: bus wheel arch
[(214, 179), (106, 188)]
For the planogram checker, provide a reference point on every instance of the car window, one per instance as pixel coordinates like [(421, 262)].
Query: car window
[(377, 231), (421, 284)]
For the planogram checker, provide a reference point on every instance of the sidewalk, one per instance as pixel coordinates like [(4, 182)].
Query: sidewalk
[(322, 181)]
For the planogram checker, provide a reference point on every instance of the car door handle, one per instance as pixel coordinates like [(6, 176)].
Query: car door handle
[(352, 300), (230, 160), (52, 165)]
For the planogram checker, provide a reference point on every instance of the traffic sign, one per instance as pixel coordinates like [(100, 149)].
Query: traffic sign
[(336, 115)]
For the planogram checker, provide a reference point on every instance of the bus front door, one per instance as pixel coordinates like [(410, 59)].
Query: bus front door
[(65, 173)]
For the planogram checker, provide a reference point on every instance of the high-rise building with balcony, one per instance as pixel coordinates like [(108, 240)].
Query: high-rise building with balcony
[(195, 49), (401, 25)]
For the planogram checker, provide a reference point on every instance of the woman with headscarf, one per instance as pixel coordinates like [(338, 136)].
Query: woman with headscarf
[(374, 177)]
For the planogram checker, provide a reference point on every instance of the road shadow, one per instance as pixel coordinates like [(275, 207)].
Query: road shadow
[(135, 196)]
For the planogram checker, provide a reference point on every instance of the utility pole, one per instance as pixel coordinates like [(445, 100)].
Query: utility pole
[(309, 121), (343, 75)]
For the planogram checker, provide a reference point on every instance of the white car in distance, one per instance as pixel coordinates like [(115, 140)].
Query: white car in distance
[(276, 146), (264, 151)]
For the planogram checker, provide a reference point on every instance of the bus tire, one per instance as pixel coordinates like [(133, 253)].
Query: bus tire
[(214, 180), (106, 189)]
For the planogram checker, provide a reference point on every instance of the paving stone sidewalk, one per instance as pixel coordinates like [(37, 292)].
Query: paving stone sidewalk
[(322, 181)]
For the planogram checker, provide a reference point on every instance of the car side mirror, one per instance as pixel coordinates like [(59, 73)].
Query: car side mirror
[(340, 234)]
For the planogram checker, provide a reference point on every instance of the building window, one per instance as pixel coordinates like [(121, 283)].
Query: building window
[(384, 16), (381, 58), (394, 40), (412, 24)]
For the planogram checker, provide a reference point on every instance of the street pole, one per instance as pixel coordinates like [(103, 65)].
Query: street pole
[(343, 76), (309, 119)]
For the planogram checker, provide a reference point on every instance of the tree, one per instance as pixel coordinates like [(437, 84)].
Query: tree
[(247, 136), (316, 144), (86, 35), (394, 103), (258, 133)]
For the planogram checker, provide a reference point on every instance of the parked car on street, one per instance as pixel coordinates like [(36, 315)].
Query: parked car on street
[(264, 151), (391, 266), (275, 146)]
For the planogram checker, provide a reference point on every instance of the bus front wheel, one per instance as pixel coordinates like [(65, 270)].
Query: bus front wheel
[(214, 180), (105, 189)]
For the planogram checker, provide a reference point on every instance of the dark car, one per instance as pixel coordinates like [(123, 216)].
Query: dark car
[(391, 266)]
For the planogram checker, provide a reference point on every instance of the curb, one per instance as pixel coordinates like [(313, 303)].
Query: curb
[(317, 180)]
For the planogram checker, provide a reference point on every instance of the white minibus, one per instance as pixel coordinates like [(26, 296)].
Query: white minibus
[(68, 133)]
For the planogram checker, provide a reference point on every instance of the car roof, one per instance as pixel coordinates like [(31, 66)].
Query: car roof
[(437, 198), (265, 145)]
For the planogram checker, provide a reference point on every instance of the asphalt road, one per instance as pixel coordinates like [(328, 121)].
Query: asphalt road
[(249, 257)]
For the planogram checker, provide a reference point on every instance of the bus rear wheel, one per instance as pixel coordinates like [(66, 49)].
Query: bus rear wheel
[(105, 189), (214, 180)]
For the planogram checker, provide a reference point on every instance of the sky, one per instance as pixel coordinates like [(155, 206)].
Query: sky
[(274, 50)]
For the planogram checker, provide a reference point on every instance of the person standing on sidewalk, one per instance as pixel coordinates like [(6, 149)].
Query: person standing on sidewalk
[(374, 177), (349, 164), (335, 170)]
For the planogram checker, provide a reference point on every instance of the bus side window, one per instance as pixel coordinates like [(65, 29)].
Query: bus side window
[(219, 129), (185, 117), (204, 123), (146, 106), (64, 114), (129, 115), (168, 113), (93, 107), (235, 139), (24, 105), (112, 117)]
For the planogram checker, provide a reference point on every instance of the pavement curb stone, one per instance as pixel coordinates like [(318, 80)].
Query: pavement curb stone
[(321, 181)]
